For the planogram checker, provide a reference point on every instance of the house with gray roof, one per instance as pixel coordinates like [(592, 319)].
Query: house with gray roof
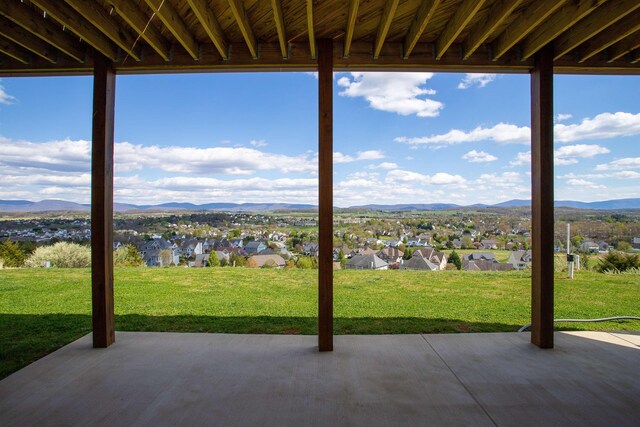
[(366, 262), (519, 259), (418, 262)]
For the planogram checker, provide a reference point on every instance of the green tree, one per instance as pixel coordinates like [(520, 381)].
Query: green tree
[(236, 260), (408, 253), (467, 242), (454, 259), (576, 241), (11, 254), (214, 261), (623, 246), (127, 256)]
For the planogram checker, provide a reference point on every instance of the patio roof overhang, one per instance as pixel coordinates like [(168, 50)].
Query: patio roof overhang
[(152, 36), (105, 37)]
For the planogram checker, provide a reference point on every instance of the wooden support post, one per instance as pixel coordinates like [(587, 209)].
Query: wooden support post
[(542, 198), (104, 85), (325, 166)]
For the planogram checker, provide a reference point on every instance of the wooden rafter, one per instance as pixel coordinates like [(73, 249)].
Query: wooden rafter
[(14, 51), (533, 16), (211, 25), (310, 29), (42, 28), (383, 28), (71, 19), (623, 47), (558, 23), (174, 23), (465, 13), (100, 18), (351, 25), (635, 56), (137, 20), (279, 21), (625, 27), (601, 19), (420, 21), (237, 8), (500, 11), (24, 38)]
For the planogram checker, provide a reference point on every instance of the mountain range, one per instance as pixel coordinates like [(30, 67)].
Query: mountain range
[(62, 205)]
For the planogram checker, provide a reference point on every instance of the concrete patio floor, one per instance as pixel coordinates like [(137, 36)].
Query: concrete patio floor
[(590, 378)]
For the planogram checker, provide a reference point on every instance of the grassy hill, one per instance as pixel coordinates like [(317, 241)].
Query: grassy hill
[(42, 310)]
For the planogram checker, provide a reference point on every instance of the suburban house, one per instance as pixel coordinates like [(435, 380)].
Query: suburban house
[(202, 260), (479, 256), (456, 243), (589, 246), (152, 253), (636, 243), (390, 255), (276, 261), (255, 247), (417, 262), (485, 265), (519, 259), (489, 244), (439, 259), (604, 246), (310, 249), (366, 262), (238, 243)]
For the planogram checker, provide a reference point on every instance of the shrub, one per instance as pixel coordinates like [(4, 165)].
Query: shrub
[(11, 254), (61, 255), (616, 261), (214, 261), (270, 264), (454, 259), (127, 256)]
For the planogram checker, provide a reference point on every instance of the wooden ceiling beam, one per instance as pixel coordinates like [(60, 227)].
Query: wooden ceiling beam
[(137, 20), (237, 8), (623, 28), (174, 23), (635, 56), (601, 19), (465, 13), (14, 51), (211, 26), (352, 17), (383, 28), (623, 47), (278, 19), (100, 18), (74, 21), (312, 36), (500, 11), (42, 28), (533, 16), (24, 38), (420, 21), (558, 23)]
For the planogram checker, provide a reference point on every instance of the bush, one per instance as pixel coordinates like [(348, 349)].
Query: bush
[(615, 262), (127, 256), (61, 255), (270, 264), (11, 254), (214, 261)]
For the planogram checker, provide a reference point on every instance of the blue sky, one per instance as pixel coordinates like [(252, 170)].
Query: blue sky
[(252, 137)]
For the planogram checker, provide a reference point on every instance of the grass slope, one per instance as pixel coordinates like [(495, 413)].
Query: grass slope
[(42, 310)]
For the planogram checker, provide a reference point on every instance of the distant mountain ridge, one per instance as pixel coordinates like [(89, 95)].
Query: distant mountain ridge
[(24, 206)]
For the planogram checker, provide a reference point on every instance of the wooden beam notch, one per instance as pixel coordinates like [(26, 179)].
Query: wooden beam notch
[(352, 17), (383, 28), (174, 23), (237, 8), (464, 14), (211, 25)]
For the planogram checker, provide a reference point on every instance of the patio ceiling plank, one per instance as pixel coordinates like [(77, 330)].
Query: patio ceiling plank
[(533, 16), (499, 12), (601, 19), (310, 29), (27, 40), (71, 19), (623, 28), (174, 23), (137, 20), (558, 23), (351, 25), (464, 14), (211, 26), (42, 28), (280, 28), (383, 28), (420, 22), (623, 47), (237, 8), (14, 51), (100, 18)]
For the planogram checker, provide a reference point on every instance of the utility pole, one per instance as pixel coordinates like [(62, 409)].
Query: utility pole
[(569, 254)]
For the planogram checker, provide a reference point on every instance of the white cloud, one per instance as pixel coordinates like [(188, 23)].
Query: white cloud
[(384, 165), (339, 157), (602, 126), (474, 156), (401, 93), (620, 164), (258, 143), (440, 178), (476, 79), (567, 155), (560, 117), (584, 183), (5, 98), (503, 133)]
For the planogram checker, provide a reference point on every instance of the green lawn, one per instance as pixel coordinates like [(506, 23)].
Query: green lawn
[(42, 310)]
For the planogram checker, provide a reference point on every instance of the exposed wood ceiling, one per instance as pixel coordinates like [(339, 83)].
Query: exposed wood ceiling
[(147, 36)]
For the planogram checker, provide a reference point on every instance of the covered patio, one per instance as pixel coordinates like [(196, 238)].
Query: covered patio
[(590, 378)]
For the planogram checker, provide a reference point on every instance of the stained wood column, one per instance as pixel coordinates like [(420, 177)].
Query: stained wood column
[(104, 85), (542, 199), (325, 172)]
